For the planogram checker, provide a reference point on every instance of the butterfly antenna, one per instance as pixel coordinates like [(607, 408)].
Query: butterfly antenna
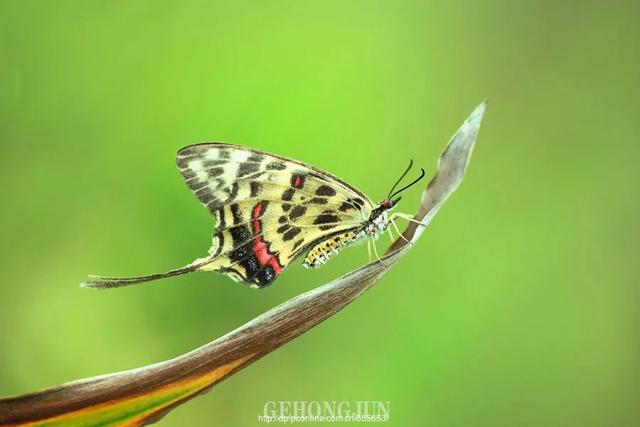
[(401, 177), (422, 174)]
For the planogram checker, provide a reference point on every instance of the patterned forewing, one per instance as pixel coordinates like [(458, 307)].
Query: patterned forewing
[(268, 209)]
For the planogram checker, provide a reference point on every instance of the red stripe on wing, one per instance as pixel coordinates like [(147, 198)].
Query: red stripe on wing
[(259, 245)]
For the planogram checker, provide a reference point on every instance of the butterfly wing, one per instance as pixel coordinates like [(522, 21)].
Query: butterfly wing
[(268, 208)]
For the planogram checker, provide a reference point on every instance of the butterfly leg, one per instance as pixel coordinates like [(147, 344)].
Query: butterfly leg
[(390, 234), (375, 251), (407, 217), (369, 250), (395, 226)]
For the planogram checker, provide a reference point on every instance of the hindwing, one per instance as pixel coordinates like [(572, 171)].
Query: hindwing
[(268, 209)]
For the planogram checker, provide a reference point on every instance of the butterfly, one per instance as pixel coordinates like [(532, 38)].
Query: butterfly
[(270, 210)]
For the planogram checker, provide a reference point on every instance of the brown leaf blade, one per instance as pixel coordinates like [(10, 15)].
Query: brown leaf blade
[(142, 396)]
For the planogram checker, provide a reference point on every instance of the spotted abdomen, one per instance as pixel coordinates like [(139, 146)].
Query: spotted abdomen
[(323, 251)]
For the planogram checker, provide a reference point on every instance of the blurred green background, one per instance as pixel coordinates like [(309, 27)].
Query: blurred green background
[(519, 307)]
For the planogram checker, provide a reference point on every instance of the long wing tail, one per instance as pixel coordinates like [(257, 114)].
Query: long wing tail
[(105, 282)]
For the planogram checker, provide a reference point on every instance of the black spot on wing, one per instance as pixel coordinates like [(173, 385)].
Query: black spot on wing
[(255, 188), (297, 212), (327, 220), (215, 172), (205, 195), (345, 206), (293, 232), (188, 173), (351, 204), (248, 168), (276, 165), (317, 201), (287, 195), (283, 228), (325, 190), (326, 217)]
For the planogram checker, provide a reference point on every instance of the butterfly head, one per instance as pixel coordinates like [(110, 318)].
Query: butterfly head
[(388, 204), (379, 220)]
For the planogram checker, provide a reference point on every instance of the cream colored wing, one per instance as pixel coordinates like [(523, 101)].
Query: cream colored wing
[(268, 208)]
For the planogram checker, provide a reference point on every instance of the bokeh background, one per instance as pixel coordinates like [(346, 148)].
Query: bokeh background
[(519, 307)]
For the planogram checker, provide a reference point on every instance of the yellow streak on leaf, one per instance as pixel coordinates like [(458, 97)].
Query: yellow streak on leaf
[(130, 411)]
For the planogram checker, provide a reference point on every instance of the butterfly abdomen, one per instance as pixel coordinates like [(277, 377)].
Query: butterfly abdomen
[(323, 251)]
